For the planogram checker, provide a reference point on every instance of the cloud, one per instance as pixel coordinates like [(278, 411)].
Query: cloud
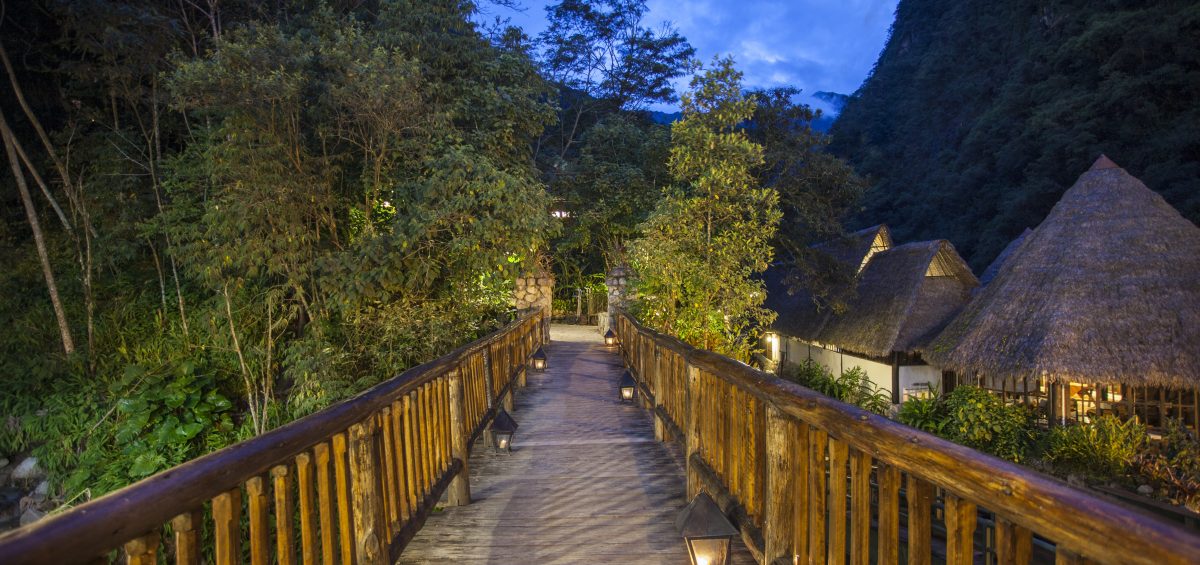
[(812, 45)]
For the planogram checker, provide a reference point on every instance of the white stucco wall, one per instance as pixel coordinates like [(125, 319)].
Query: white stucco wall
[(837, 363), (914, 378)]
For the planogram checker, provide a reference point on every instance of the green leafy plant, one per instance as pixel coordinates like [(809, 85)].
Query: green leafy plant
[(852, 387), (1104, 448), (924, 413), (979, 419)]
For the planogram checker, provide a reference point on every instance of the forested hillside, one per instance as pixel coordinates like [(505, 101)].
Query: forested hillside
[(979, 114)]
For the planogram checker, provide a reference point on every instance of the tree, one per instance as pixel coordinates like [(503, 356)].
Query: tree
[(712, 232), (817, 191), (605, 60)]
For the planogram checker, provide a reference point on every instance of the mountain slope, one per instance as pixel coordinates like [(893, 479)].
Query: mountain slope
[(979, 114)]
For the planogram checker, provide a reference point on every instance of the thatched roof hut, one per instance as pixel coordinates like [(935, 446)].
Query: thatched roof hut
[(990, 272), (801, 314), (905, 295), (1106, 290)]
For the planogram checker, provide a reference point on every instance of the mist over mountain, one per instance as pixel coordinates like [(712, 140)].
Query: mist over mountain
[(978, 115)]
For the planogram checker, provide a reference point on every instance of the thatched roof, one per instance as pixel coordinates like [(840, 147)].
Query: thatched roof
[(994, 267), (800, 314), (1105, 290), (852, 249), (904, 296)]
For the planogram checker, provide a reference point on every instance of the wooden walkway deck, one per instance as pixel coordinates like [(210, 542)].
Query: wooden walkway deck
[(585, 483)]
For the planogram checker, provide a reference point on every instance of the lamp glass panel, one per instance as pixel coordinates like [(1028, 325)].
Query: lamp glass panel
[(709, 551), (627, 393)]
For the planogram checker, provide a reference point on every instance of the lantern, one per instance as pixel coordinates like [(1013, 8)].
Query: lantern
[(610, 338), (706, 531), (627, 386), (539, 359), (503, 427)]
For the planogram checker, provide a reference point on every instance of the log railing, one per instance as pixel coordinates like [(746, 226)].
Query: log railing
[(349, 484), (808, 479)]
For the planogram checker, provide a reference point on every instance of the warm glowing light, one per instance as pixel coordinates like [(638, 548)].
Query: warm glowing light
[(627, 393), (502, 442), (610, 338), (701, 560)]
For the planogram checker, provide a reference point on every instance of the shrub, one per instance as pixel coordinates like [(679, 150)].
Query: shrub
[(1104, 448), (1172, 466), (852, 387), (926, 413), (980, 420)]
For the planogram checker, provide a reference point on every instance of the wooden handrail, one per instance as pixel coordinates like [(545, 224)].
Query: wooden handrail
[(390, 449), (780, 457)]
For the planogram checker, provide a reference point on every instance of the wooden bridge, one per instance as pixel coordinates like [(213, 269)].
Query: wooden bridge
[(401, 474)]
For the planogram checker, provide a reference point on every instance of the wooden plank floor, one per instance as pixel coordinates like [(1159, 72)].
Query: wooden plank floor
[(585, 482)]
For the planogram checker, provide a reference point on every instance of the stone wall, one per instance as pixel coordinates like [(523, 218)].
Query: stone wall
[(617, 282), (535, 290)]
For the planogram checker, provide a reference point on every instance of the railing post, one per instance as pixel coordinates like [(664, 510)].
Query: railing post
[(489, 386), (460, 486), (693, 429), (512, 357), (368, 510), (777, 518), (660, 427)]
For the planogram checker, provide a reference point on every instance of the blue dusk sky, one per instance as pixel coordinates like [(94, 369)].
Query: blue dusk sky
[(813, 45)]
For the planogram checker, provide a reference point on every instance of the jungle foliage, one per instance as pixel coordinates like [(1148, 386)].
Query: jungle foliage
[(714, 229), (267, 207), (978, 115)]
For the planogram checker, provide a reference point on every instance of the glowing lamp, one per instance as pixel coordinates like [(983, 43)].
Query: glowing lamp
[(706, 531), (627, 386), (610, 338), (539, 359), (503, 427)]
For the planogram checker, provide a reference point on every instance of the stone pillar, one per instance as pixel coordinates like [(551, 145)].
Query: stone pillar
[(617, 282), (536, 290)]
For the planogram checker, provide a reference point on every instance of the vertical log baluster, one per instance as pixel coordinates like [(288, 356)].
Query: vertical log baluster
[(227, 527), (369, 530), (142, 550), (256, 501), (692, 440), (838, 456), (285, 533), (342, 495), (889, 514), (960, 530), (325, 503), (397, 439), (187, 528), (920, 512), (308, 509), (410, 455), (800, 498), (860, 508), (777, 518), (817, 511), (1014, 544), (391, 496), (460, 486)]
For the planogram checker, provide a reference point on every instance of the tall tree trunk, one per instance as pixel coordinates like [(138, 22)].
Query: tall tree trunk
[(39, 241)]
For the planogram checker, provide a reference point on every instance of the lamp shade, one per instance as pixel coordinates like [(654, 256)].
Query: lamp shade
[(706, 530), (610, 338), (538, 359), (627, 386), (503, 427)]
